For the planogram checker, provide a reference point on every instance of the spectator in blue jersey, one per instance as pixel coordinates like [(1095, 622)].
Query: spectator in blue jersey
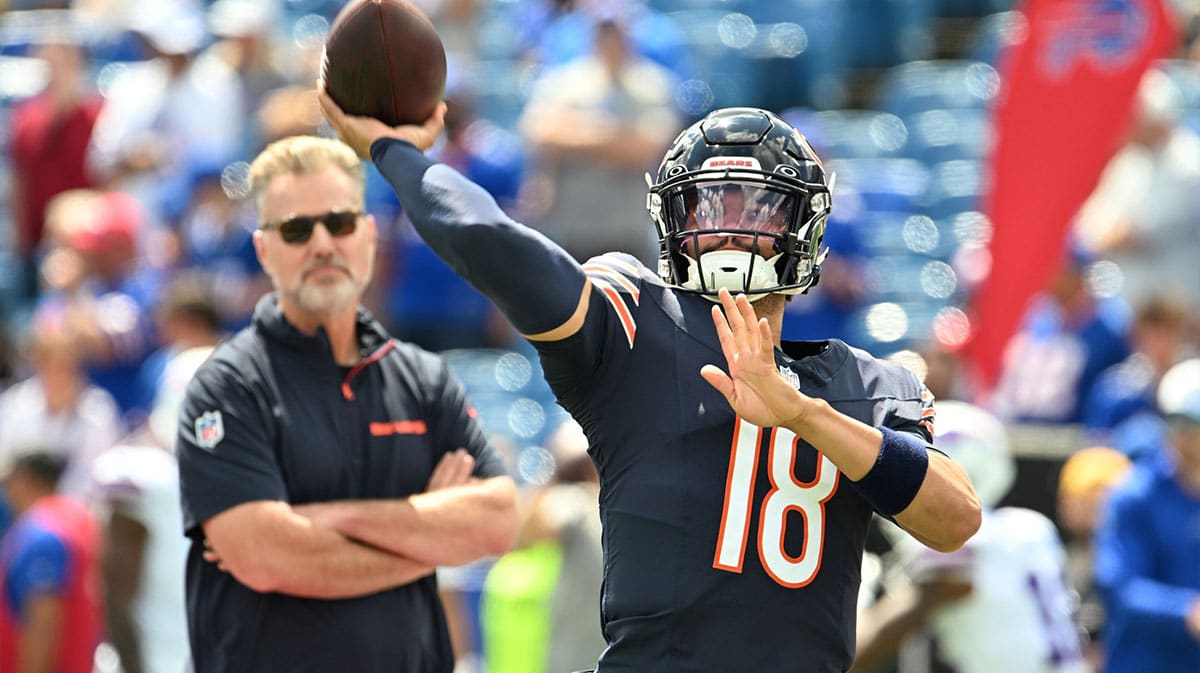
[(1147, 559), (49, 599), (95, 278), (1121, 410), (1069, 335), (704, 569)]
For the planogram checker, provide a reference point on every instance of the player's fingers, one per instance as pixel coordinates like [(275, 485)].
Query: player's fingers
[(330, 109), (750, 320), (766, 341), (734, 317), (728, 347), (718, 379)]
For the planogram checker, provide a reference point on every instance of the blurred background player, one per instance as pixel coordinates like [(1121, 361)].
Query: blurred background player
[(1084, 483), (137, 490), (999, 604), (1147, 562), (50, 618)]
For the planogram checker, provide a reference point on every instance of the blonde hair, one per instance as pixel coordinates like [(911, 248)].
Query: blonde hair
[(303, 154)]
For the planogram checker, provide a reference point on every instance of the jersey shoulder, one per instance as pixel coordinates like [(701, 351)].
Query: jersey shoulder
[(909, 403), (618, 280)]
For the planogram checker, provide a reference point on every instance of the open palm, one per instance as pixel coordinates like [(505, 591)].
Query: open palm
[(753, 386)]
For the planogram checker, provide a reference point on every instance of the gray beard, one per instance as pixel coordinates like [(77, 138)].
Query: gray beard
[(326, 300)]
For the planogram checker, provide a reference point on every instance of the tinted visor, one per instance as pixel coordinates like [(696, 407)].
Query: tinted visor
[(755, 213)]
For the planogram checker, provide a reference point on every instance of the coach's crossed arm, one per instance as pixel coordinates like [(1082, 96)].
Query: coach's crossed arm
[(269, 547), (457, 519)]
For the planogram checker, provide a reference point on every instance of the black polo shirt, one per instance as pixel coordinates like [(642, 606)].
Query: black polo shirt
[(271, 416)]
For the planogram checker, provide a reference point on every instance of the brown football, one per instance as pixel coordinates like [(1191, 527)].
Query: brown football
[(384, 59)]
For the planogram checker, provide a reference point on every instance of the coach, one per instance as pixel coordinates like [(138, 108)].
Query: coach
[(327, 469)]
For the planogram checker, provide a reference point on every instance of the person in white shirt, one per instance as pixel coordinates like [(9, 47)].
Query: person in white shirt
[(137, 485), (1000, 603), (57, 410)]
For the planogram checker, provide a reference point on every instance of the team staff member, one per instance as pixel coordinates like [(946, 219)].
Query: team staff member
[(327, 469), (734, 514)]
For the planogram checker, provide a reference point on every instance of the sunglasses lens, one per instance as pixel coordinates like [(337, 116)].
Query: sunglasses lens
[(341, 223), (299, 229)]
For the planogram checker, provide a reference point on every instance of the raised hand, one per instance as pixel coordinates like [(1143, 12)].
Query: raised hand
[(754, 387), (360, 132)]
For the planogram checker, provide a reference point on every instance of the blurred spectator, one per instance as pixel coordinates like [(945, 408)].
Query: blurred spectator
[(49, 137), (826, 311), (187, 318), (175, 110), (427, 303), (1147, 563), (288, 111), (567, 512), (1084, 483), (457, 23), (57, 409), (595, 125), (216, 242), (1069, 335), (555, 32), (49, 615), (1145, 212), (96, 280), (1124, 393), (143, 551), (244, 30), (944, 372), (999, 604)]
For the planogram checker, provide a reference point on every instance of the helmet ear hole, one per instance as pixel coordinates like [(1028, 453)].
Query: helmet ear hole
[(788, 171)]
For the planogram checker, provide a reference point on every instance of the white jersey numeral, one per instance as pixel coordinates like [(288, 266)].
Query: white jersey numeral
[(786, 495)]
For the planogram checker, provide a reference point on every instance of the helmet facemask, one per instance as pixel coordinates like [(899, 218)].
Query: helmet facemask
[(740, 202), (741, 233)]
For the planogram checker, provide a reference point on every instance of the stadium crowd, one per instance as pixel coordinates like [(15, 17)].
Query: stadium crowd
[(127, 255)]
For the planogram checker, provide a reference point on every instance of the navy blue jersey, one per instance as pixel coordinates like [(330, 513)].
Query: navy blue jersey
[(728, 548), (271, 416)]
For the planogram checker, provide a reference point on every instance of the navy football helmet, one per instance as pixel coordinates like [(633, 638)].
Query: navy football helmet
[(740, 201)]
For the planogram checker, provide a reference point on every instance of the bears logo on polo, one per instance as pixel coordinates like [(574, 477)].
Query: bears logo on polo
[(210, 430)]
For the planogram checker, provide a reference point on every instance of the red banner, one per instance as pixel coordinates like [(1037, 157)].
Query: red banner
[(1066, 100)]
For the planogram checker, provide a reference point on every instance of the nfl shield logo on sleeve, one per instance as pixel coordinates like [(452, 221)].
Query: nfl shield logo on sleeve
[(209, 429)]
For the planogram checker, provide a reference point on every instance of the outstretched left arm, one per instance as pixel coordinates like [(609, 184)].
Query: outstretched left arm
[(940, 508)]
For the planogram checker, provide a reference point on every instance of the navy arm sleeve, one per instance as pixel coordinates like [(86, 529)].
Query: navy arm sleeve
[(534, 282)]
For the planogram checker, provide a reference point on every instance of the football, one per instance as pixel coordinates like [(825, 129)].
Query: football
[(384, 59)]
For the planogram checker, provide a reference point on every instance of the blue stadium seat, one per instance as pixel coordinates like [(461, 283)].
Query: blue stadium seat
[(941, 84), (935, 136), (971, 8), (886, 184), (992, 35), (851, 134), (883, 33), (955, 187)]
